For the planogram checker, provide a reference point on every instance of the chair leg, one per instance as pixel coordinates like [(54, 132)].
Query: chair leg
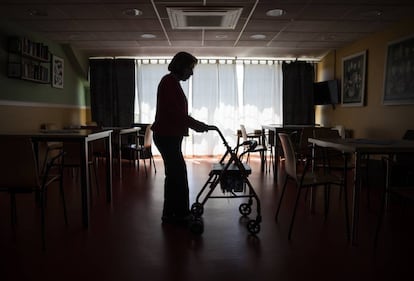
[(96, 178), (62, 196), (153, 162), (145, 168), (346, 213), (312, 198), (272, 160), (281, 198), (13, 209), (380, 218), (326, 203), (42, 219), (294, 214)]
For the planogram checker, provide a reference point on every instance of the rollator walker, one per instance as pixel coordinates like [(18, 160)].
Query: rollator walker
[(232, 175)]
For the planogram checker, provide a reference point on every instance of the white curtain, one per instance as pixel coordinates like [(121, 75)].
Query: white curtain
[(214, 101), (262, 94), (221, 93)]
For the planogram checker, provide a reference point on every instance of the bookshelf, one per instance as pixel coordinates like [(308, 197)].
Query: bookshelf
[(28, 60)]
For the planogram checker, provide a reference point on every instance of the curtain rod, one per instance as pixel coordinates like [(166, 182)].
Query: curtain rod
[(219, 58)]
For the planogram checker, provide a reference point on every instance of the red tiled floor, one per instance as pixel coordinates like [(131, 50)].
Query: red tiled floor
[(125, 240)]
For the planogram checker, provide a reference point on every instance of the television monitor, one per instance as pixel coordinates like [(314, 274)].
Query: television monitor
[(326, 92)]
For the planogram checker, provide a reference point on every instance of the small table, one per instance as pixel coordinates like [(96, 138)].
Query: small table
[(361, 147), (83, 137)]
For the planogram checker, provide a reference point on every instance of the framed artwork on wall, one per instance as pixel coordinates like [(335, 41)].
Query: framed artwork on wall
[(353, 79), (57, 72), (399, 72)]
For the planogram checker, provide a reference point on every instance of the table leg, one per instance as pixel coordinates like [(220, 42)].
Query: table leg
[(276, 156), (84, 175), (264, 154), (109, 169), (387, 180), (119, 154), (345, 191), (356, 198)]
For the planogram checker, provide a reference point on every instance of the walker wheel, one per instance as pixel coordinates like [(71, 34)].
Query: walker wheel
[(253, 227), (197, 209), (245, 209), (196, 226)]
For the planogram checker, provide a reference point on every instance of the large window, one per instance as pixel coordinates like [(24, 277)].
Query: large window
[(225, 93)]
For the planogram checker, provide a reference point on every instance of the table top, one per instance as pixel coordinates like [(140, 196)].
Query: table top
[(281, 126), (65, 134), (366, 145), (124, 131)]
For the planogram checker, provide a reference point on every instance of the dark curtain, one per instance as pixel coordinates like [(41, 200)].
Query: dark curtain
[(298, 107), (112, 83)]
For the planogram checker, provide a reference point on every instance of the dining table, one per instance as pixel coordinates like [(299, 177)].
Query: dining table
[(360, 148), (275, 129), (83, 137)]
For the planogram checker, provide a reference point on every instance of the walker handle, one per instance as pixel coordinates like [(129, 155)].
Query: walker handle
[(215, 128)]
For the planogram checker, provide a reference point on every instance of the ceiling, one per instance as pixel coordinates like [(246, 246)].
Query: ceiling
[(308, 29)]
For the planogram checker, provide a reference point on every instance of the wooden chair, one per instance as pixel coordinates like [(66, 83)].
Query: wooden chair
[(403, 194), (306, 179), (331, 159), (142, 149), (303, 149), (402, 165), (252, 136), (400, 181), (73, 161), (21, 174)]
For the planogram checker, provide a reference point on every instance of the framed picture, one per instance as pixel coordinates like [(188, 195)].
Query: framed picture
[(57, 72), (353, 79), (399, 72)]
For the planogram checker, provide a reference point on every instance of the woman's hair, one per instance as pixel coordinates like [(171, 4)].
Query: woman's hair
[(181, 61)]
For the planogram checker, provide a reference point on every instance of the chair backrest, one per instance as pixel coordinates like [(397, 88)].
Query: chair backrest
[(328, 133), (148, 137), (289, 153), (341, 130), (271, 138), (406, 158), (327, 156), (408, 135), (243, 132), (305, 134), (18, 163)]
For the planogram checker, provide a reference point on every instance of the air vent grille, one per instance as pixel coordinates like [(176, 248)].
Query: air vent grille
[(203, 17)]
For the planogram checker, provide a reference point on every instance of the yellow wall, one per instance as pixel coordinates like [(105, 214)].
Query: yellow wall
[(29, 118), (374, 120)]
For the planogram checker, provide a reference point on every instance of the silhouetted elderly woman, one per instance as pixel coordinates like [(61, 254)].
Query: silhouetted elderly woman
[(170, 126)]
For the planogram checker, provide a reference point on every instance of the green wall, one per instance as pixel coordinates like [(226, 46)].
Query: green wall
[(76, 88)]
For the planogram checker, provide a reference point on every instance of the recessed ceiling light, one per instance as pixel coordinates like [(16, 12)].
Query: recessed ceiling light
[(73, 36), (148, 36), (132, 12), (258, 36), (372, 13), (275, 13), (37, 13), (221, 36), (329, 37)]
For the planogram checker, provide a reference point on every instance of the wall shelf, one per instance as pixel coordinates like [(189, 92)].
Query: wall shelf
[(28, 60)]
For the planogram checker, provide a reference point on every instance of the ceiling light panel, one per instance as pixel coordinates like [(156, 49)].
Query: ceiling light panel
[(203, 17)]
